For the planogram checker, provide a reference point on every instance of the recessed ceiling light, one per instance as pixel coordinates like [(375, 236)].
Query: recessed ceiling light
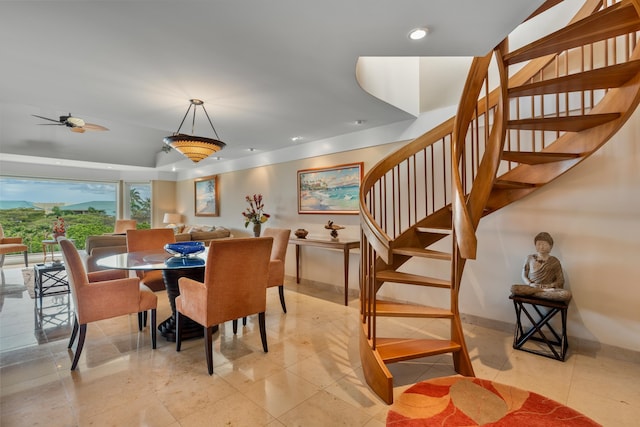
[(296, 138), (218, 158), (251, 149), (418, 33), (359, 122)]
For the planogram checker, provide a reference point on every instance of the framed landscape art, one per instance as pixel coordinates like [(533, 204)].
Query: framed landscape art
[(331, 190), (206, 196)]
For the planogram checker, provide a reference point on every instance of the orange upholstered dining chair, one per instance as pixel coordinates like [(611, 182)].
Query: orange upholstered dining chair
[(122, 225), (235, 286), (276, 263), (147, 240), (98, 296)]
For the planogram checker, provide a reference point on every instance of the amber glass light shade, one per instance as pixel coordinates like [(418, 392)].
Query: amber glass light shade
[(194, 147)]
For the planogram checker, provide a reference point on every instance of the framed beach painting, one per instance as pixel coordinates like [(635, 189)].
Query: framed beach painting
[(206, 196), (332, 190)]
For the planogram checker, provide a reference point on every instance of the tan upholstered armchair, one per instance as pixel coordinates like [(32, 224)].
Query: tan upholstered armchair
[(235, 286), (146, 240), (98, 296), (10, 245)]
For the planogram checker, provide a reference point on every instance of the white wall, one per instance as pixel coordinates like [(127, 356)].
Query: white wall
[(592, 212), (277, 183)]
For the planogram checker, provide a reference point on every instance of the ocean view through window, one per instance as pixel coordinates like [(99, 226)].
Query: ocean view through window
[(30, 206)]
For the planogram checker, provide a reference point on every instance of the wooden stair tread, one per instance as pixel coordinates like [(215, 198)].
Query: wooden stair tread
[(616, 20), (398, 309), (601, 78), (435, 230), (411, 279), (502, 184), (423, 253), (393, 350), (566, 123), (537, 158)]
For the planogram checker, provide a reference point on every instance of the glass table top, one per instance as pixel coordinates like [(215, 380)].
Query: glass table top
[(152, 260)]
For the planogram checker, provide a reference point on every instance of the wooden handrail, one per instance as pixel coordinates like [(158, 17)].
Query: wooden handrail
[(500, 146), (386, 214)]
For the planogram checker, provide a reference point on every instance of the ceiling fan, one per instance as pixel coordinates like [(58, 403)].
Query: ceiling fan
[(75, 124)]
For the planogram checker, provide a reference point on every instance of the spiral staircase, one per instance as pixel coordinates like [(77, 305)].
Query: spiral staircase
[(573, 90)]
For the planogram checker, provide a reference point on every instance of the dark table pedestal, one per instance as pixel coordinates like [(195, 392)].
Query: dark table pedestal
[(191, 329)]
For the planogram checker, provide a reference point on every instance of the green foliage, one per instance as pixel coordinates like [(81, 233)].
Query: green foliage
[(34, 226), (140, 208)]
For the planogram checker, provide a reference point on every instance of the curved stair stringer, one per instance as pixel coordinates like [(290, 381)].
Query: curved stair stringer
[(623, 100), (385, 248)]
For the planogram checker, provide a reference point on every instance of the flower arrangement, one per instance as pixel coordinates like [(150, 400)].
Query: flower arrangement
[(255, 212), (59, 227)]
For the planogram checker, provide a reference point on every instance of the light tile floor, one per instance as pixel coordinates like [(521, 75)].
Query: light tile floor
[(311, 375)]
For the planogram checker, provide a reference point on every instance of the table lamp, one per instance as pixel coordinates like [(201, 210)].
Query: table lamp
[(171, 219)]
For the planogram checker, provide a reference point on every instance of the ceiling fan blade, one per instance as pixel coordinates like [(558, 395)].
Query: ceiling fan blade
[(47, 118), (93, 126), (77, 129)]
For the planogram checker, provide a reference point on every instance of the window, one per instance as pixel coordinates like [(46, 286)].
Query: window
[(30, 206), (137, 202)]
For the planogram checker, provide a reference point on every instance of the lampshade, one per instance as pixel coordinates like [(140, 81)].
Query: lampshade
[(194, 147), (172, 218)]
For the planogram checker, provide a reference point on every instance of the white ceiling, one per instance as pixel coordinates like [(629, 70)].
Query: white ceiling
[(267, 70)]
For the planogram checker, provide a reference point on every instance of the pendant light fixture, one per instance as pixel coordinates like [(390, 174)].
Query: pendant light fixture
[(194, 147)]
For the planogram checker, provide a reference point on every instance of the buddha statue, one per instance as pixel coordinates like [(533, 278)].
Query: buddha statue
[(542, 273)]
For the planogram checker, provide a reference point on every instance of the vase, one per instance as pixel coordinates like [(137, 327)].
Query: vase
[(256, 229)]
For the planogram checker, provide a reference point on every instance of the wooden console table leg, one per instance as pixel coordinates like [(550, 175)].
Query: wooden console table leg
[(346, 275), (298, 264)]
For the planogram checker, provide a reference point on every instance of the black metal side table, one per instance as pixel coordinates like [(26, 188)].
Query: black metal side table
[(50, 279), (539, 317)]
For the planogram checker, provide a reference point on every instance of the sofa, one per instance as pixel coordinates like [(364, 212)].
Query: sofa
[(97, 247)]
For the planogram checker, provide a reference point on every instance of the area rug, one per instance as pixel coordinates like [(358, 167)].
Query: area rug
[(464, 401), (27, 275)]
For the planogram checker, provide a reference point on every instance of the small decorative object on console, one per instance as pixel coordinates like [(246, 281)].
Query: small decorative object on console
[(334, 229), (301, 233), (183, 249)]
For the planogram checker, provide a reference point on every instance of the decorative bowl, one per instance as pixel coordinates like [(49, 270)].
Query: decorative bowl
[(183, 249), (301, 233)]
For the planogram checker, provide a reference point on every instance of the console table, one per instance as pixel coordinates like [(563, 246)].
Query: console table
[(344, 245)]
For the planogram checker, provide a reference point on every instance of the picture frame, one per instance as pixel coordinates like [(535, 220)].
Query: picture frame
[(206, 196), (330, 190)]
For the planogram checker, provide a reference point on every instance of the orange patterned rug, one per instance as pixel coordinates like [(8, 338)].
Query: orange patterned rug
[(464, 401)]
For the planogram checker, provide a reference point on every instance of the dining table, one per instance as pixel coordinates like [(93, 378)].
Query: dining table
[(173, 268)]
